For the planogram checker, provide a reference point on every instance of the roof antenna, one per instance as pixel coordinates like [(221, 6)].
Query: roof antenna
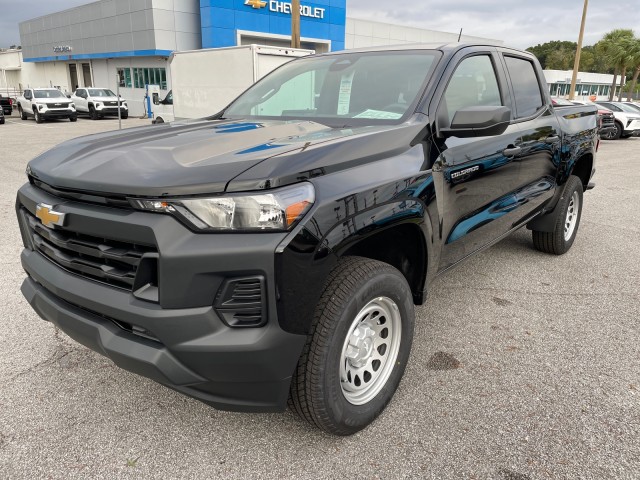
[(459, 35)]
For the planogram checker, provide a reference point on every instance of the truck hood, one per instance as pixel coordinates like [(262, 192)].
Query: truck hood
[(186, 158)]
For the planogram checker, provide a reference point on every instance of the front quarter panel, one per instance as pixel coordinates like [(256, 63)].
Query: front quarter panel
[(350, 206)]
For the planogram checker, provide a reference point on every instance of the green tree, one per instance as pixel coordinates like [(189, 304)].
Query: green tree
[(634, 63), (614, 47), (544, 50)]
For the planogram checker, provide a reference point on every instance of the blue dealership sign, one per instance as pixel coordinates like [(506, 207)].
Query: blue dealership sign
[(319, 19)]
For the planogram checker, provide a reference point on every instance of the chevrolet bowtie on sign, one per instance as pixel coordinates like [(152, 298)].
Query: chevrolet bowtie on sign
[(48, 217)]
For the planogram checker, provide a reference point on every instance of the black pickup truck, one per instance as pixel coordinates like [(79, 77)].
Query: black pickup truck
[(274, 252), (6, 104)]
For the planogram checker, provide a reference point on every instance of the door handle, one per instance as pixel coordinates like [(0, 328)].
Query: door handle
[(552, 139), (511, 151)]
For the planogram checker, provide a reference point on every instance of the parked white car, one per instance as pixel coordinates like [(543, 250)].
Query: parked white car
[(45, 103), (98, 102), (627, 119)]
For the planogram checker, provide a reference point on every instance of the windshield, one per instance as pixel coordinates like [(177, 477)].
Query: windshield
[(101, 92), (626, 108), (352, 88), (630, 108), (48, 94)]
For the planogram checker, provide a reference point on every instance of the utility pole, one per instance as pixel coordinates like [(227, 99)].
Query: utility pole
[(295, 23), (576, 64)]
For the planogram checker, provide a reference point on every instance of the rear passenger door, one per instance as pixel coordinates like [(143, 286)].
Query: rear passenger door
[(540, 136), (475, 178)]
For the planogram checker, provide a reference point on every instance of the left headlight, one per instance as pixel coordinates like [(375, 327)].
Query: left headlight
[(278, 209)]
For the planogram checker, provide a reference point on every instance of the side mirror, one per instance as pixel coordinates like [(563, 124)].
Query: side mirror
[(68, 95), (480, 121)]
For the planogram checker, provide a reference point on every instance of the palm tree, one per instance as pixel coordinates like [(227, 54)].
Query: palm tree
[(613, 46), (635, 64)]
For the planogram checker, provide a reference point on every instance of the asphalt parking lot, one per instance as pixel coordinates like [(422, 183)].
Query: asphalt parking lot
[(524, 366)]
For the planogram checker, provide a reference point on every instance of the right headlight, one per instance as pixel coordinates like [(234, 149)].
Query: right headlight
[(274, 210)]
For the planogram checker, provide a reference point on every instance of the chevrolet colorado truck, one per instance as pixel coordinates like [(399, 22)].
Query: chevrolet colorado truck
[(274, 253), (45, 103), (99, 103)]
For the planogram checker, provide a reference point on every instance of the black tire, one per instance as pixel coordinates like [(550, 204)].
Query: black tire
[(124, 116), (558, 242), (37, 115), (617, 133), (317, 389), (23, 116), (93, 113), (159, 120), (2, 120), (73, 118)]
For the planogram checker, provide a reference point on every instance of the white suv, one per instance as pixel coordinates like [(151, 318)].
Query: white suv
[(627, 119), (99, 102)]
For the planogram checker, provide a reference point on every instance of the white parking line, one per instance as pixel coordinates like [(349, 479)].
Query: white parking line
[(25, 124)]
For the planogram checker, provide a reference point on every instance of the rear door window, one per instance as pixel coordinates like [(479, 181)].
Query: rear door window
[(526, 88)]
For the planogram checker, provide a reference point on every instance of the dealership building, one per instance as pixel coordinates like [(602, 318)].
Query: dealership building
[(130, 41)]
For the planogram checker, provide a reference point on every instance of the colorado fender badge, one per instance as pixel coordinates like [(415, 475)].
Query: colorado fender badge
[(48, 217)]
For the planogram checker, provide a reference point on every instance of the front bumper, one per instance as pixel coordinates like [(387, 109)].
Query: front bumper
[(191, 349), (57, 113), (632, 128), (112, 110)]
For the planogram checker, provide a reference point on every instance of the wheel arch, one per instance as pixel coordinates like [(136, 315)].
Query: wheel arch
[(409, 254), (583, 169)]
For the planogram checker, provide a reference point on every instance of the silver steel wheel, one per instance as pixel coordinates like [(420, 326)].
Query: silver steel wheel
[(370, 350), (572, 216)]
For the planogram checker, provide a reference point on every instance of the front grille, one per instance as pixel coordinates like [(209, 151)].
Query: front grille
[(111, 104), (58, 105), (105, 260), (607, 120)]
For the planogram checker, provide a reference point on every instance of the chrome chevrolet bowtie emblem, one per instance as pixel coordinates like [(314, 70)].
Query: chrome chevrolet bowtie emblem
[(48, 217)]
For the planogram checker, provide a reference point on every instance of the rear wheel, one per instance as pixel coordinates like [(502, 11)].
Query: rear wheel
[(569, 210), (358, 347)]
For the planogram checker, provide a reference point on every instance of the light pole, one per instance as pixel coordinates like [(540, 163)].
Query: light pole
[(576, 64), (295, 23)]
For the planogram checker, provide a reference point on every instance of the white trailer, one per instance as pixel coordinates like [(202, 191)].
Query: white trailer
[(205, 81)]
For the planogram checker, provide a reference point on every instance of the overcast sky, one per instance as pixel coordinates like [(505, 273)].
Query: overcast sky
[(520, 23)]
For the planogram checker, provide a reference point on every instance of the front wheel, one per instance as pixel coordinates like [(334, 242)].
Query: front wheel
[(358, 347), (73, 118), (37, 115), (23, 116), (93, 113), (124, 116), (616, 133), (569, 207)]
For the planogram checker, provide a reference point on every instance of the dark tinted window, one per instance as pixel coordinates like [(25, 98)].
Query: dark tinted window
[(473, 84), (525, 86)]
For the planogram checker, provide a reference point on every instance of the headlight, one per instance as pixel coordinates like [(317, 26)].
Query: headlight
[(278, 209), (41, 105), (98, 104)]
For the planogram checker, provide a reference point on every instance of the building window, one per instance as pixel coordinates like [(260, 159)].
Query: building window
[(150, 76), (124, 77)]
